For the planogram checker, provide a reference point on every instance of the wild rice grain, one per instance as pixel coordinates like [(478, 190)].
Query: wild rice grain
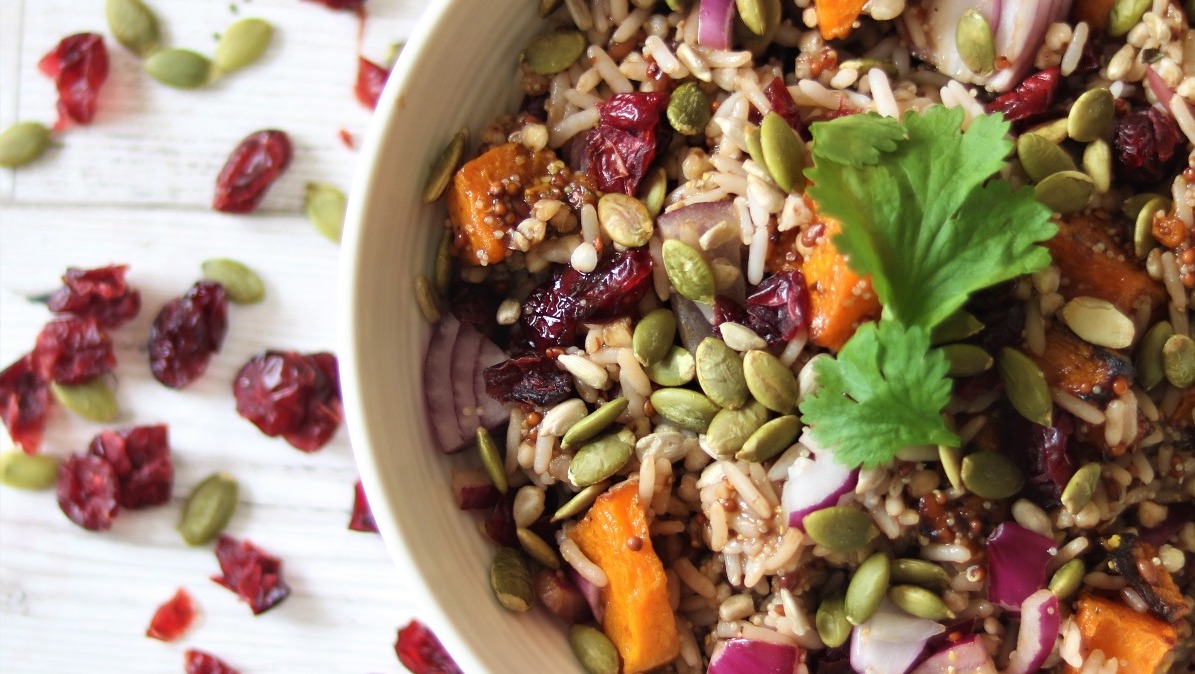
[(581, 564), (1080, 408), (747, 489), (572, 125), (690, 576)]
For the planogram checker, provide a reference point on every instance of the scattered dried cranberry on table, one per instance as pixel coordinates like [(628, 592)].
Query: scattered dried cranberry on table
[(253, 574), (252, 167), (73, 350), (141, 458), (100, 294), (371, 79), (362, 519), (88, 491), (79, 66), (288, 394), (187, 331), (173, 618), (24, 403), (199, 662), (421, 652)]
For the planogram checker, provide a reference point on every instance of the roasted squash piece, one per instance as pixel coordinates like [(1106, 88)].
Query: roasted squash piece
[(1079, 368), (839, 299), (1141, 642), (638, 617), (1094, 264), (836, 18)]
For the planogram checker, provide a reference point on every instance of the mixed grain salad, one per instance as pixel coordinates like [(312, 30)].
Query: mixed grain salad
[(828, 335)]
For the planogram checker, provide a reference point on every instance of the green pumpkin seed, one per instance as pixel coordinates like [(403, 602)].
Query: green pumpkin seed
[(688, 409), (551, 53), (1053, 131), (770, 12), (992, 476), (22, 143), (600, 459), (208, 509), (754, 148), (442, 272), (676, 368), (1080, 488), (537, 548), (580, 501), (677, 5), (510, 579), (1026, 386), (654, 336), (840, 529), (624, 219), (92, 400), (753, 14), (242, 44), (1132, 205), (1150, 364), (770, 439), (1091, 115), (832, 625), (443, 167), (1097, 163), (1178, 361), (1068, 579), (546, 7), (133, 25), (1098, 322), (783, 152), (956, 327), (951, 459), (920, 572), (325, 205), (654, 190), (179, 68), (976, 44), (427, 299), (730, 429), (920, 602), (1125, 14), (1143, 224), (1040, 158), (592, 424), (593, 649), (242, 284), (1065, 191), (31, 472), (770, 381), (491, 459), (720, 373), (867, 588), (689, 109), (966, 360), (688, 271)]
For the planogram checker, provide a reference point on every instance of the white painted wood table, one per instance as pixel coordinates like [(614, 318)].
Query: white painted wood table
[(135, 187)]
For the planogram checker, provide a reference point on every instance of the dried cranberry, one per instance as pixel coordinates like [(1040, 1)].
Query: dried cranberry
[(186, 333), (250, 170), (173, 618), (1031, 98), (198, 662), (1043, 451), (342, 4), (1146, 144), (141, 458), (551, 312), (783, 104), (371, 79), (362, 519), (531, 379), (421, 652), (476, 304), (623, 144), (79, 66), (727, 310), (73, 350), (252, 573), (287, 394), (88, 492), (500, 525), (779, 307), (101, 294), (24, 403)]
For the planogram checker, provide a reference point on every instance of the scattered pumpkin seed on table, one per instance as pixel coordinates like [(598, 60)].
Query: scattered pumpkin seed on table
[(31, 472), (208, 509), (242, 44), (325, 206), (93, 400), (134, 25), (443, 166), (551, 53), (179, 68), (22, 143), (242, 284)]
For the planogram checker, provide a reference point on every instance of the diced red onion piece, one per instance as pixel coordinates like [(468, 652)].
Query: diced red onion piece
[(752, 656), (815, 483), (691, 322), (464, 356), (473, 489), (890, 641), (965, 657), (1162, 91), (1022, 27), (1040, 620), (1177, 514), (714, 24), (1017, 559), (591, 592), (437, 369)]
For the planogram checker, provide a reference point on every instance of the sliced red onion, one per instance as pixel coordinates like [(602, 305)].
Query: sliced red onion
[(815, 483), (1017, 559), (1021, 30), (1162, 91), (965, 657), (890, 641), (437, 368), (464, 356), (591, 592), (714, 24), (1040, 620), (493, 413), (473, 489), (751, 656)]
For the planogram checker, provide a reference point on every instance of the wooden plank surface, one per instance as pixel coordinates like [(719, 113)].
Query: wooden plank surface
[(134, 187)]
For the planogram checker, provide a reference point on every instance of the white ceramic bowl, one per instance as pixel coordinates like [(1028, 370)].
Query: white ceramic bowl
[(458, 70)]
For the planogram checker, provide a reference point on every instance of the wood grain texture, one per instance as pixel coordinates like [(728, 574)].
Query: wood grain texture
[(134, 187)]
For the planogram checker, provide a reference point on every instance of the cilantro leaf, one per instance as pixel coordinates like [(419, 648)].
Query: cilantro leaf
[(926, 222), (885, 391), (856, 140)]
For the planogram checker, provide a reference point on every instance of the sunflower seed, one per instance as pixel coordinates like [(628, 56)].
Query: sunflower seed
[(841, 529), (770, 439), (770, 381), (1097, 163), (179, 68), (1150, 364), (1178, 360), (242, 284), (537, 548), (1026, 386), (443, 167), (22, 143), (579, 502), (676, 368), (551, 53), (600, 459), (654, 336), (133, 25), (1065, 191), (510, 579), (688, 271), (1068, 579), (730, 429), (92, 400), (1143, 224), (990, 475), (867, 588), (624, 219), (976, 45), (688, 409), (593, 649), (783, 152), (832, 625), (1098, 322), (208, 509), (720, 373), (324, 206), (920, 602), (242, 44), (593, 423), (32, 472), (491, 459), (920, 572), (1040, 158), (1080, 488), (689, 109), (1125, 14), (1091, 115), (966, 360)]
